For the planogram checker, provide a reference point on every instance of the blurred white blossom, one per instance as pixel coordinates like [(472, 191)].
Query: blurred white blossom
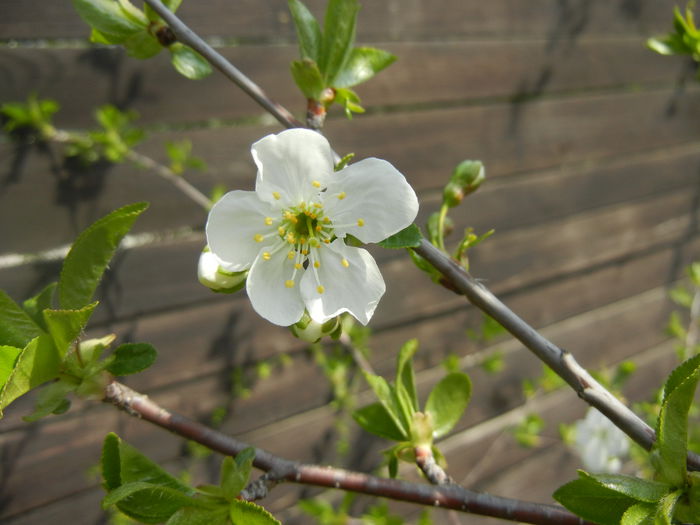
[(600, 443)]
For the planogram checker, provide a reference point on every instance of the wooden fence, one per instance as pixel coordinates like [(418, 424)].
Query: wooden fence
[(592, 149)]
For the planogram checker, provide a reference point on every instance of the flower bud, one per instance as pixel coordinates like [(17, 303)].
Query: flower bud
[(211, 275), (310, 331), (466, 179)]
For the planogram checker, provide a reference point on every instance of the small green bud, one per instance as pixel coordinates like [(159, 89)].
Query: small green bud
[(310, 331), (211, 275), (422, 430), (466, 179)]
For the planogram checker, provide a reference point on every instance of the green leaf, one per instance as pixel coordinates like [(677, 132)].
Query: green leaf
[(363, 64), (201, 516), (50, 400), (308, 30), (681, 296), (387, 397), (405, 384), (106, 16), (142, 45), (338, 37), (639, 514), (235, 474), (669, 45), (131, 358), (122, 465), (8, 359), (248, 513), (35, 306), (37, 363), (172, 5), (347, 98), (590, 500), (639, 489), (376, 420), (188, 62), (308, 78), (17, 328), (65, 326), (668, 454), (90, 254), (409, 237), (666, 507), (447, 402)]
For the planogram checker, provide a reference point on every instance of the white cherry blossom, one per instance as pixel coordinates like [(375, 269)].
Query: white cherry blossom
[(600, 443), (289, 233)]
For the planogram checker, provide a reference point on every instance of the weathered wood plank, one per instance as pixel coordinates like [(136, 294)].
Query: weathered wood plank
[(508, 138), (389, 20), (429, 73)]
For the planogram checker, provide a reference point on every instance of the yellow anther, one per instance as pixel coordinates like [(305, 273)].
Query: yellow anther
[(312, 215), (316, 184), (318, 205), (298, 266), (326, 220), (281, 230), (289, 283), (345, 263), (266, 256), (313, 242), (327, 241), (276, 195), (291, 255), (268, 221), (341, 195), (258, 237), (302, 240), (305, 252), (318, 228), (317, 264), (360, 222), (291, 239), (320, 289)]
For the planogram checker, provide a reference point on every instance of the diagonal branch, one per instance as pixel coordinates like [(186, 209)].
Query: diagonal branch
[(280, 469), (562, 362)]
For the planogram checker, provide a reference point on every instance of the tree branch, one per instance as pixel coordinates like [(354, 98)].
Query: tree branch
[(185, 35), (280, 469)]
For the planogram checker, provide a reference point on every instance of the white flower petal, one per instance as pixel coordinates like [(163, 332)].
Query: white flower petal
[(267, 291), (233, 223), (351, 283), (370, 200), (292, 166)]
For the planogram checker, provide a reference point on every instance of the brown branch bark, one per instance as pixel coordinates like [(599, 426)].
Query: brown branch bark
[(280, 469)]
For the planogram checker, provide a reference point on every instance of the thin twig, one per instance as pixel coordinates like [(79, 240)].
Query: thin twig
[(186, 36), (559, 360), (280, 469)]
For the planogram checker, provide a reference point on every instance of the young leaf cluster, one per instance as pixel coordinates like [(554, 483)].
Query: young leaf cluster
[(142, 33), (40, 339), (674, 496), (330, 64), (396, 415), (145, 492), (685, 38)]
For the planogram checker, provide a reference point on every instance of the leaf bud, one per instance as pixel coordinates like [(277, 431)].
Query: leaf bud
[(466, 179), (213, 276)]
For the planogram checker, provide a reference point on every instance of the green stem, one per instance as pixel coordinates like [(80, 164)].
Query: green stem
[(441, 227)]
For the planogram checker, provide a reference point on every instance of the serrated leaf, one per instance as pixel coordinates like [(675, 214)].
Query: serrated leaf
[(405, 384), (590, 500), (37, 363), (106, 16), (34, 306), (639, 514), (338, 37), (668, 454), (90, 254), (50, 399), (17, 328), (188, 62), (363, 64), (666, 507), (447, 402), (409, 237), (65, 326), (200, 516), (122, 464), (639, 489), (131, 358), (148, 502), (375, 420), (308, 78), (308, 30), (248, 513), (387, 397)]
